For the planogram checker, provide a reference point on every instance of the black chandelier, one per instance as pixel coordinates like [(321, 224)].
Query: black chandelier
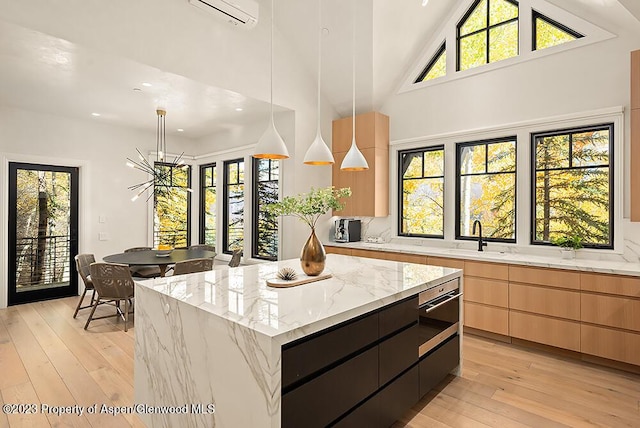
[(160, 178)]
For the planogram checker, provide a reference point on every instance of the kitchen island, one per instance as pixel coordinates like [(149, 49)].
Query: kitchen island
[(223, 349)]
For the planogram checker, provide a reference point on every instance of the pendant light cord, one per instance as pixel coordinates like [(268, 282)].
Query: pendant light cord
[(319, 56), (353, 69), (271, 49)]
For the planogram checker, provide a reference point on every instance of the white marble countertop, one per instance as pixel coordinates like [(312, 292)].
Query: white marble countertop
[(357, 286), (585, 265)]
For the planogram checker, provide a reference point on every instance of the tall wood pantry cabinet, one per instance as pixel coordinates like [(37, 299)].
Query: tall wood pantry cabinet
[(370, 188)]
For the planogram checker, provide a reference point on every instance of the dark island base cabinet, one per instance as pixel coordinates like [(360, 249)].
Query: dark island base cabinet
[(364, 372), (440, 362)]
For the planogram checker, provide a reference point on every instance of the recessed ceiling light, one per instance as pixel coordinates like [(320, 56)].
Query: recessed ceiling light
[(239, 109), (180, 130), (148, 85), (95, 114)]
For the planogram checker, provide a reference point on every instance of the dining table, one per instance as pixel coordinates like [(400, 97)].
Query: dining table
[(158, 257)]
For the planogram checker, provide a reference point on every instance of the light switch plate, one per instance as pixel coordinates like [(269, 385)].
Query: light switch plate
[(102, 219), (103, 236)]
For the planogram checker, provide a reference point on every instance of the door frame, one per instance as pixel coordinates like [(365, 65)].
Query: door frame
[(83, 188)]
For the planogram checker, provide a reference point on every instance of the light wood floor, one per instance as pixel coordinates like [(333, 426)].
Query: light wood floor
[(47, 357)]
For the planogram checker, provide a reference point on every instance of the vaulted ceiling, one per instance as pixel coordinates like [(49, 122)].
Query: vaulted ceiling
[(42, 72)]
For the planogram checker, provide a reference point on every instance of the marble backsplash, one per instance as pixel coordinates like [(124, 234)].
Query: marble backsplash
[(382, 227)]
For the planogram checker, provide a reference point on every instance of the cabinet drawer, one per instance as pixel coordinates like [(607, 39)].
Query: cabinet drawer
[(398, 353), (450, 263), (545, 301), (387, 406), (325, 398), (327, 347), (611, 284), (338, 250), (486, 270), (488, 291), (486, 318), (612, 344), (408, 258), (397, 316), (550, 331), (435, 366), (549, 277), (367, 253), (611, 311)]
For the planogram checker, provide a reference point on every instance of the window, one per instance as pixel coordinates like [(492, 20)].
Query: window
[(233, 197), (422, 192), (437, 67), (486, 188), (548, 33), (266, 173), (208, 199), (487, 33), (573, 185), (172, 205)]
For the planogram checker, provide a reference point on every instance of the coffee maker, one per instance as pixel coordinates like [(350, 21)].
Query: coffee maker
[(347, 230)]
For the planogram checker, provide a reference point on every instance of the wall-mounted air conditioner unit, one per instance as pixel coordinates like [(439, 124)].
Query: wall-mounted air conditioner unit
[(243, 13)]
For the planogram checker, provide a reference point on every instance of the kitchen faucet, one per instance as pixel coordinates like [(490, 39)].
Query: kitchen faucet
[(480, 243)]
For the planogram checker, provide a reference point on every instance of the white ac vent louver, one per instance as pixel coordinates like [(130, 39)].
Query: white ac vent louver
[(242, 13)]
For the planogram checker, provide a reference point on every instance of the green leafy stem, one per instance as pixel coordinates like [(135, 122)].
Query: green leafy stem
[(308, 207)]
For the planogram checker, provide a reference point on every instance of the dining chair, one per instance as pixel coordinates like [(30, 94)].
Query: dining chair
[(113, 283), (193, 266), (235, 258), (206, 247), (143, 271), (82, 266)]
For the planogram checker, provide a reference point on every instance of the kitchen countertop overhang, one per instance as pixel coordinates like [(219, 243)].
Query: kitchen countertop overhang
[(357, 286)]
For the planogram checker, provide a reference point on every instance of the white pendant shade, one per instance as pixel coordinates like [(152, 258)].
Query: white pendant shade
[(354, 160), (271, 145), (318, 153)]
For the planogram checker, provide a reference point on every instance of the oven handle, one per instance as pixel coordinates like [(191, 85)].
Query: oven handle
[(431, 308)]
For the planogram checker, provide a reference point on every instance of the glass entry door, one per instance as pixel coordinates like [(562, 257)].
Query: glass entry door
[(43, 228)]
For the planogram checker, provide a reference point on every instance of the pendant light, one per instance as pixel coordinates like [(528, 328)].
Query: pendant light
[(354, 160), (318, 153), (160, 178), (271, 145)]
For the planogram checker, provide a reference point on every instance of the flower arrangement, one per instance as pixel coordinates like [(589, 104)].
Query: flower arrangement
[(308, 207)]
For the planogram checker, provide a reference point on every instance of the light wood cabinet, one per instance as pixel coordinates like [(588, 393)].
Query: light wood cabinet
[(450, 263), (547, 277), (486, 270), (611, 311), (635, 136), (329, 249), (549, 331), (487, 318), (486, 296), (545, 301), (370, 188), (486, 291), (609, 343), (610, 284)]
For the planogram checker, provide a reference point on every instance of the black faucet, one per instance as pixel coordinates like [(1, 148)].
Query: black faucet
[(480, 242)]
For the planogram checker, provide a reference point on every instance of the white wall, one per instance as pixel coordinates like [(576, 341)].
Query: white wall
[(176, 37), (100, 151), (588, 78)]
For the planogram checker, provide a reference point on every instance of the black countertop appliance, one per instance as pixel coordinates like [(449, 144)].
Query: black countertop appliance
[(347, 230)]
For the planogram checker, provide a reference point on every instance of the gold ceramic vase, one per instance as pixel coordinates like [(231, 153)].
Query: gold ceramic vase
[(313, 256)]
